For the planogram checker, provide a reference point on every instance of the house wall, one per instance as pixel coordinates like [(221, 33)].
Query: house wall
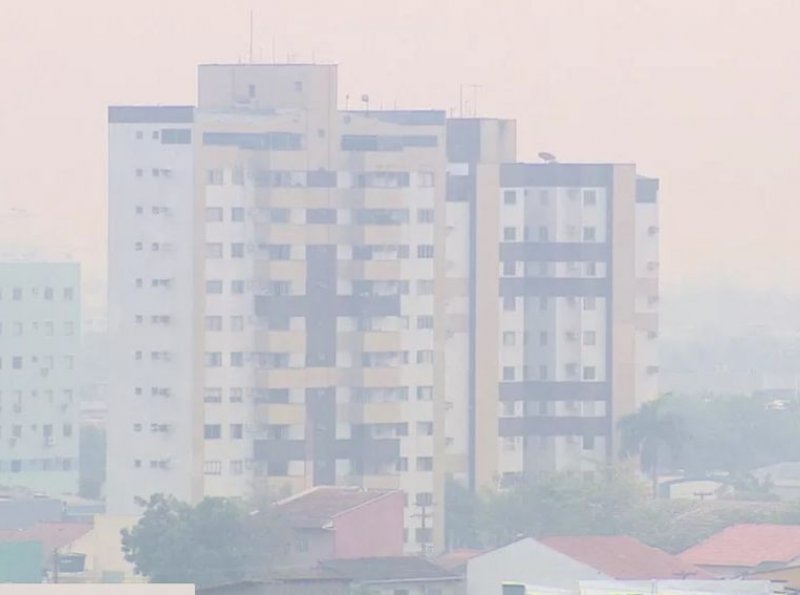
[(528, 562), (374, 529)]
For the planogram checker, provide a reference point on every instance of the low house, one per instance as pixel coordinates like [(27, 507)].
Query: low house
[(332, 522), (401, 575), (747, 549), (54, 540), (625, 558), (561, 563)]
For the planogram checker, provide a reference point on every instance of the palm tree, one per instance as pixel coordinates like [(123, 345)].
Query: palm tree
[(646, 434)]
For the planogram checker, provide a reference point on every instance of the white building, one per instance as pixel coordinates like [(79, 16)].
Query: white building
[(39, 344)]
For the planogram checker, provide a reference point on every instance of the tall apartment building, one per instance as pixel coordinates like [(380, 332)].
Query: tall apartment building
[(559, 267), (39, 345), (301, 295), (272, 296)]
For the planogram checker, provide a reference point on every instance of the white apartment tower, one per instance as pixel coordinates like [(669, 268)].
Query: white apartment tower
[(301, 295), (40, 330)]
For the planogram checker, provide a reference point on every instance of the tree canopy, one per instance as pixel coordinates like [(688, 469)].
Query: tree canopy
[(218, 540)]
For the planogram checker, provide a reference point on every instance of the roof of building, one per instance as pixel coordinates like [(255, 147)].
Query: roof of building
[(623, 557), (50, 535), (315, 508), (747, 545), (457, 559), (389, 569)]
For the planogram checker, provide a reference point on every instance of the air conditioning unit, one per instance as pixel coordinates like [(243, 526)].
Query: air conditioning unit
[(49, 441)]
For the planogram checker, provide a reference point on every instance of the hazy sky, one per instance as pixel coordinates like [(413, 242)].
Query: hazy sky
[(701, 93)]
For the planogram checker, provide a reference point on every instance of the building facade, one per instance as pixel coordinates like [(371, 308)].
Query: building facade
[(39, 345), (302, 295)]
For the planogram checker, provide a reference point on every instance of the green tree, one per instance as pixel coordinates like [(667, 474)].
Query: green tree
[(92, 461), (460, 519), (649, 433), (218, 540)]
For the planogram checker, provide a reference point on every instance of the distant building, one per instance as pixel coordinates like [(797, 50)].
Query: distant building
[(40, 328), (332, 522)]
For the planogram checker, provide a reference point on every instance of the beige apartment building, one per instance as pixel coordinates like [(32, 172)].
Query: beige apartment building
[(302, 295)]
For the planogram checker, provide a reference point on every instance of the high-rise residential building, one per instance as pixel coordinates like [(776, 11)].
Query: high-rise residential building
[(272, 293), (559, 266), (301, 295), (40, 330)]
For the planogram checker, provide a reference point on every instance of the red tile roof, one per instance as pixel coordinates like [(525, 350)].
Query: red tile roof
[(456, 559), (50, 535), (747, 546), (624, 558), (314, 508)]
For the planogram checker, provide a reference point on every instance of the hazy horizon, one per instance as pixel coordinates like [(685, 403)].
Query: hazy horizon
[(700, 95)]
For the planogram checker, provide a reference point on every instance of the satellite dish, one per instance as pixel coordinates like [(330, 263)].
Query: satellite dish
[(547, 157)]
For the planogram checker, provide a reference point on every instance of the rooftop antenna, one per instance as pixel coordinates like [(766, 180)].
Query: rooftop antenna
[(251, 36), (365, 101), (475, 99)]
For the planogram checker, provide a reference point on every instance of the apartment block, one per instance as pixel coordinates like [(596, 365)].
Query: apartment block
[(558, 268), (272, 293), (302, 296), (39, 344)]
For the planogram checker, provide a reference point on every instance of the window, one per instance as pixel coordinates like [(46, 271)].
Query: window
[(237, 467), (237, 250), (69, 329), (543, 233), (298, 86), (237, 214), (213, 214), (279, 215), (237, 395), (156, 172), (509, 303), (425, 356), (589, 338), (589, 198), (401, 464), (509, 338), (212, 432), (321, 216), (544, 198), (68, 294), (424, 428), (588, 443), (237, 324), (67, 430), (214, 177), (237, 286), (139, 172), (213, 359), (424, 393), (212, 468), (251, 91), (424, 463), (571, 370), (214, 250), (48, 329), (425, 287), (237, 359), (48, 293), (425, 251), (508, 373), (588, 373), (591, 269), (425, 215), (426, 179), (588, 303), (237, 177), (509, 234), (278, 468), (69, 362), (16, 362), (589, 234), (424, 322), (213, 287), (510, 197), (542, 338), (16, 329), (212, 395), (237, 431), (213, 323), (509, 269)]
